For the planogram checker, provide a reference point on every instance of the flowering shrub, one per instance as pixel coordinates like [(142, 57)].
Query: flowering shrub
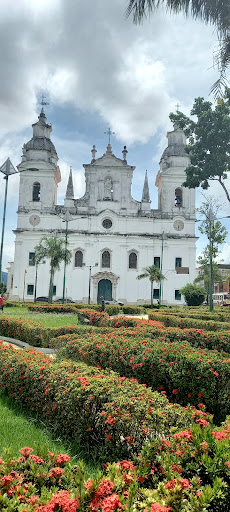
[(178, 321), (185, 374), (94, 317), (32, 483), (196, 454), (108, 411)]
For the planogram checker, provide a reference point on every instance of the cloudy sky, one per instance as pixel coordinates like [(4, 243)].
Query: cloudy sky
[(97, 69)]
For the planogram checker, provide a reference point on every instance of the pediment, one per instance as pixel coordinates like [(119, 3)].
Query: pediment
[(109, 160)]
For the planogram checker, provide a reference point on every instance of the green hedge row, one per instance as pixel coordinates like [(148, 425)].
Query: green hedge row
[(111, 309), (216, 316), (34, 333), (185, 374), (187, 472), (177, 321), (100, 409)]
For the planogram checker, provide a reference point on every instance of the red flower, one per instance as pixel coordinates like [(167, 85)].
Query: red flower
[(56, 472), (62, 458), (175, 391), (26, 451), (157, 507)]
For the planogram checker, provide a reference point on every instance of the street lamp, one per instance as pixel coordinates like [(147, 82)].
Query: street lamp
[(164, 236), (24, 285), (7, 168), (66, 220), (90, 268)]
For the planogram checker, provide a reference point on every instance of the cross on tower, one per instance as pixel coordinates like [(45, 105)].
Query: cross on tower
[(43, 102), (109, 133), (177, 107)]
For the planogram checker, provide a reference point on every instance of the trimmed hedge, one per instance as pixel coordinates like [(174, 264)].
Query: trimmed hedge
[(184, 373), (48, 482), (100, 409), (177, 321)]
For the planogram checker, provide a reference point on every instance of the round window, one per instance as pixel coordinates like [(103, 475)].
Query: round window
[(107, 223)]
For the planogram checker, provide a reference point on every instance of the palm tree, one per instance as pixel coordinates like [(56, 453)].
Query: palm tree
[(209, 11), (154, 274), (54, 249)]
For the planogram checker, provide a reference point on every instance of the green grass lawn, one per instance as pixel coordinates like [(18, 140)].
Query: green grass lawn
[(19, 428), (47, 319)]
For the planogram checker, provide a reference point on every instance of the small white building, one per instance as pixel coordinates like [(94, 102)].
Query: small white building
[(112, 237)]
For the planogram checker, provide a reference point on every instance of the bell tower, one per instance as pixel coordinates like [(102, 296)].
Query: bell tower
[(39, 172), (173, 198)]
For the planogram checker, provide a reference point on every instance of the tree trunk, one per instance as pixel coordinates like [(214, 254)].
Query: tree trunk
[(51, 285), (151, 293)]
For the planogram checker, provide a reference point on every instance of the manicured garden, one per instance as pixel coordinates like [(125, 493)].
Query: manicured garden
[(150, 396)]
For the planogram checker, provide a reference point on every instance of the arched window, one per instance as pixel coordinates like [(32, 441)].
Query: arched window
[(78, 259), (36, 191), (178, 197), (105, 260), (132, 260)]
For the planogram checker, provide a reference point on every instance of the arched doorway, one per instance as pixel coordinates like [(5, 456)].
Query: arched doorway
[(104, 289)]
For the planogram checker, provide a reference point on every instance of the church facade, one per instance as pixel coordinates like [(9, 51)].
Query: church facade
[(111, 236)]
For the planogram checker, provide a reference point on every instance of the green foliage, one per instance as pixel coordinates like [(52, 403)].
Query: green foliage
[(54, 249), (209, 139), (104, 408), (193, 294), (163, 359), (2, 288)]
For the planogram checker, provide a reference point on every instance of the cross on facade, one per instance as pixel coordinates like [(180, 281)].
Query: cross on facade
[(109, 133)]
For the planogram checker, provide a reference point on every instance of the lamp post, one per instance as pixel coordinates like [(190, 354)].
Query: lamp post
[(24, 285), (210, 217), (161, 266), (90, 269), (7, 168), (66, 220)]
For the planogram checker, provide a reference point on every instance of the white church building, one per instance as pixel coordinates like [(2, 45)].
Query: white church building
[(112, 237)]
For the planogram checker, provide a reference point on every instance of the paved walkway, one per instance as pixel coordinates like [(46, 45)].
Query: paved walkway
[(22, 344)]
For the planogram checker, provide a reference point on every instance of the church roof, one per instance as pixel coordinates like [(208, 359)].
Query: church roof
[(40, 143), (174, 150)]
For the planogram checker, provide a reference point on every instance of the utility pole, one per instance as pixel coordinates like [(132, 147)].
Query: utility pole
[(7, 168)]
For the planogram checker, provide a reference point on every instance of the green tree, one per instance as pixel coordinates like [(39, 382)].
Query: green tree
[(209, 143), (194, 295), (154, 274), (54, 249), (213, 12), (2, 288), (216, 234)]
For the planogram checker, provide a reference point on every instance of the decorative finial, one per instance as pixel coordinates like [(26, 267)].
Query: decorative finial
[(109, 133), (177, 107), (93, 151), (43, 103), (124, 153)]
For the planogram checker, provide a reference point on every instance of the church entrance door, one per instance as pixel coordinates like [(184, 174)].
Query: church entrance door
[(104, 289)]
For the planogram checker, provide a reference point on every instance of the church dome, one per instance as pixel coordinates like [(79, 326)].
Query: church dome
[(40, 143), (174, 150)]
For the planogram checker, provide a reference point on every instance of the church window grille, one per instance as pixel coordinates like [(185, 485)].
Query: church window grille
[(107, 223), (157, 261), (132, 260), (178, 197), (31, 259), (178, 262), (30, 289), (36, 191), (78, 259), (177, 295), (105, 260), (156, 293)]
